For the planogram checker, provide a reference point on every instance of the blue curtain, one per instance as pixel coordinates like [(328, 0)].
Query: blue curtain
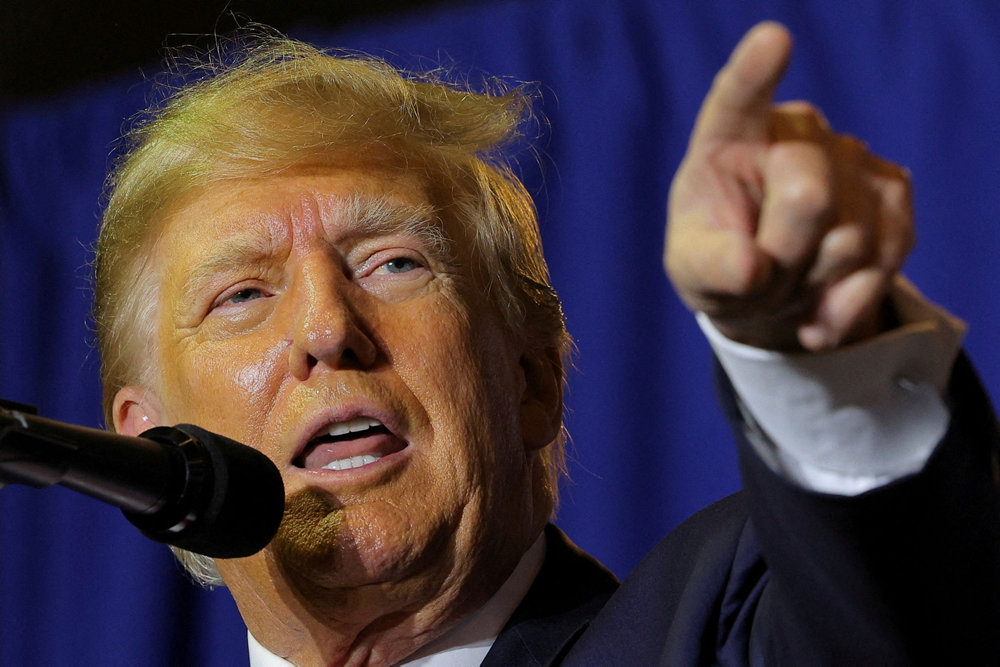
[(620, 83)]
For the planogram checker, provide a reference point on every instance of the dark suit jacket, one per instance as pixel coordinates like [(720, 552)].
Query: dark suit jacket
[(568, 592), (908, 574)]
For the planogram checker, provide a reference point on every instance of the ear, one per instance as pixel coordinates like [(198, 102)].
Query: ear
[(136, 409), (541, 403)]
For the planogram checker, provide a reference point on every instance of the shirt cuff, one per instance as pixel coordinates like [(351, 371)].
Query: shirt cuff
[(855, 418)]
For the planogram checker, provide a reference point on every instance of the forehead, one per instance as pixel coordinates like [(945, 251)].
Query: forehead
[(283, 208)]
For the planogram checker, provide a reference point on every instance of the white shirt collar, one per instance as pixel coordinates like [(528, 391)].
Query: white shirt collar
[(469, 641)]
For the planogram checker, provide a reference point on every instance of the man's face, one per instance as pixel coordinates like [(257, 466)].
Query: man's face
[(315, 317)]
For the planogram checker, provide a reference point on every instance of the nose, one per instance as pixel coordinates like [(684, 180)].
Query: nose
[(327, 328)]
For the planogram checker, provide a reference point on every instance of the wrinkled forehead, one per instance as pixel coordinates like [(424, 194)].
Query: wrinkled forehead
[(240, 218)]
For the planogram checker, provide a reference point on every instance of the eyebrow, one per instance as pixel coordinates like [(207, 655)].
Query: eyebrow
[(232, 253), (378, 215), (364, 215)]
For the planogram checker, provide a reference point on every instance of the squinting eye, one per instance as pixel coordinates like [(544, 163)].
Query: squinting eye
[(243, 295)]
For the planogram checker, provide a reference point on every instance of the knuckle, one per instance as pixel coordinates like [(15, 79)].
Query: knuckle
[(897, 195), (849, 243), (806, 194)]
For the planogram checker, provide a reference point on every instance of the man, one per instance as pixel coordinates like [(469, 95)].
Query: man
[(330, 262)]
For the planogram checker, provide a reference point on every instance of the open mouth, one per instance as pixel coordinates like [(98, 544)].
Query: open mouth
[(349, 444)]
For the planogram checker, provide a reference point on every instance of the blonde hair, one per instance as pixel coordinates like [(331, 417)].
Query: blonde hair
[(284, 103)]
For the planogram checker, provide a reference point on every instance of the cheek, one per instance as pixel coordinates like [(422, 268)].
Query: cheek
[(465, 373), (229, 388), (256, 376)]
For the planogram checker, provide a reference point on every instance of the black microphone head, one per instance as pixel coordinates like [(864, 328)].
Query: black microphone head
[(232, 502)]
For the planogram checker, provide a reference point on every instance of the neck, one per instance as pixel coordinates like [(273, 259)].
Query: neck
[(372, 624), (313, 621)]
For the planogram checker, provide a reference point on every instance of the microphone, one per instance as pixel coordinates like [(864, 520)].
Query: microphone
[(182, 485)]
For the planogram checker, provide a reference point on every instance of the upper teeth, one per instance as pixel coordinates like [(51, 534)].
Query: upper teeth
[(354, 425)]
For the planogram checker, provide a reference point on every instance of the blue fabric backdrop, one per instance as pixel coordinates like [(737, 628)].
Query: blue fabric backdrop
[(620, 83)]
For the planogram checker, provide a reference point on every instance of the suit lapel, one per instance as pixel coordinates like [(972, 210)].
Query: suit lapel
[(569, 591)]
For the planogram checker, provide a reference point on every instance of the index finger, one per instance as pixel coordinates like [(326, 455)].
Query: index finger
[(738, 105)]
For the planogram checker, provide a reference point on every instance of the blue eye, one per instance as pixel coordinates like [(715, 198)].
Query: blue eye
[(400, 265)]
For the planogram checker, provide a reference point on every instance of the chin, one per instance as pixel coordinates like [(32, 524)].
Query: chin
[(323, 544), (310, 537)]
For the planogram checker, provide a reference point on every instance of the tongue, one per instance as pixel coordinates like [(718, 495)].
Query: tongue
[(321, 454)]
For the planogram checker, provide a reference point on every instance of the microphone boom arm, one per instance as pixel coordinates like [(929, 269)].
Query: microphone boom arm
[(181, 485), (44, 452)]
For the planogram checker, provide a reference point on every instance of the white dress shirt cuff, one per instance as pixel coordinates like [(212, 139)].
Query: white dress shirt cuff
[(855, 418)]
